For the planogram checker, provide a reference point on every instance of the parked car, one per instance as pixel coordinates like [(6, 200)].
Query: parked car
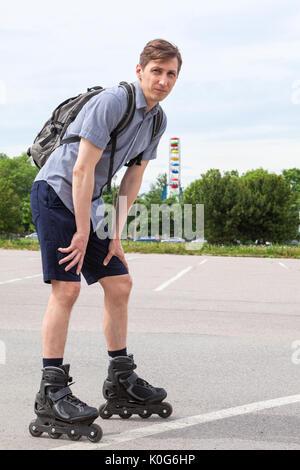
[(32, 235), (173, 240), (198, 240), (147, 239)]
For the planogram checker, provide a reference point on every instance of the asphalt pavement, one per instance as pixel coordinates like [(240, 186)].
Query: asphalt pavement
[(221, 334)]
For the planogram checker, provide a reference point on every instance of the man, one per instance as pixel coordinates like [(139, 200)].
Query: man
[(67, 210)]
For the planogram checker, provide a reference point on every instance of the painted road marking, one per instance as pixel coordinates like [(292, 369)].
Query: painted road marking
[(173, 279), (202, 262), (38, 275), (182, 423), (20, 279), (283, 265)]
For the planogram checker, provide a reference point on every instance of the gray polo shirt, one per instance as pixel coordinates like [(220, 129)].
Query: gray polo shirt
[(95, 122)]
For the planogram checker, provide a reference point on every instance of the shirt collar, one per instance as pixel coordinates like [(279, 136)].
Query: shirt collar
[(140, 99)]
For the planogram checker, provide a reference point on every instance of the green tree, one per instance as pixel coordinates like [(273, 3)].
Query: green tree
[(219, 194), (293, 177), (27, 222), (271, 213), (10, 208), (153, 196), (256, 206), (19, 174)]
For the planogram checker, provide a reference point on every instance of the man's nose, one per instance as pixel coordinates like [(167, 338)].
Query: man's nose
[(163, 81)]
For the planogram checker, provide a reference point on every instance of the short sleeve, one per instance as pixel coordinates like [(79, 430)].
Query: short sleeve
[(150, 153), (102, 114)]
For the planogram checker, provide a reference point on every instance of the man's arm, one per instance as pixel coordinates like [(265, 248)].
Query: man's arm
[(82, 190), (130, 186)]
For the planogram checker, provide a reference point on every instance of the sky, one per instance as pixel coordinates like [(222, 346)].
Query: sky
[(236, 103)]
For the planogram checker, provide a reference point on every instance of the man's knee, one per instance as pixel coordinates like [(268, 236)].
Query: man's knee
[(120, 285), (66, 292)]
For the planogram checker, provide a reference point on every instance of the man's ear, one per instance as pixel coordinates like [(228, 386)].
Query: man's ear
[(139, 71)]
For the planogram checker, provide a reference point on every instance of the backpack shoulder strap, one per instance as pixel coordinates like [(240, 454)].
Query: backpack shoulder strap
[(127, 118), (157, 122)]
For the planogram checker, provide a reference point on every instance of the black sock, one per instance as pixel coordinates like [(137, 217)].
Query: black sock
[(56, 362), (120, 352)]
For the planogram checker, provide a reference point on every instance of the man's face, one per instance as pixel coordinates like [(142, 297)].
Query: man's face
[(157, 79)]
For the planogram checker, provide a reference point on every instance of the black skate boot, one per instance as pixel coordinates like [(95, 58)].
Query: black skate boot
[(127, 394), (59, 412)]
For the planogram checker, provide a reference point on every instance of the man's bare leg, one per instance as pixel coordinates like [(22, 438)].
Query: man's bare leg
[(55, 406), (124, 391), (115, 315), (57, 316)]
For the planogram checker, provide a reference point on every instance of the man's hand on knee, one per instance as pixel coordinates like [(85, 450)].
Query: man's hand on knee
[(115, 249), (77, 251)]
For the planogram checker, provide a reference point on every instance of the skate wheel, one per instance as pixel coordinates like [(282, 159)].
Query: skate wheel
[(145, 414), (103, 413), (125, 414), (95, 433), (33, 429), (166, 410), (73, 435)]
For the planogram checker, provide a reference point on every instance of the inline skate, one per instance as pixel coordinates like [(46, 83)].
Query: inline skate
[(127, 394), (59, 411)]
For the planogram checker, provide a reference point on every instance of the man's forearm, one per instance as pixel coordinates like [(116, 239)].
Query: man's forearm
[(129, 188), (82, 190)]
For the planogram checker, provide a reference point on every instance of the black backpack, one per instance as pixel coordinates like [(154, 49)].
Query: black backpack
[(51, 135)]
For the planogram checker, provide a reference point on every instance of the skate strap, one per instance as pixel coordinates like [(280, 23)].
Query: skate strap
[(60, 394), (131, 380)]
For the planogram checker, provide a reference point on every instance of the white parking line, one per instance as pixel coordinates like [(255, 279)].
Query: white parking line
[(283, 265), (173, 279), (182, 423), (20, 279), (202, 262), (39, 275)]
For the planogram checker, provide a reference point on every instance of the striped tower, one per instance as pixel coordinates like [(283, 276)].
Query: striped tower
[(174, 184)]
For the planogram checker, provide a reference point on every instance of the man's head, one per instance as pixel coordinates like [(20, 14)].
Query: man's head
[(158, 69)]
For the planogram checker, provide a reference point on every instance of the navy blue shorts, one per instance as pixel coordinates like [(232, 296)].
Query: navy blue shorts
[(55, 225)]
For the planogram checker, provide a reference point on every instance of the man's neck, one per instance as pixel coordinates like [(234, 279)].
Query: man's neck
[(150, 106)]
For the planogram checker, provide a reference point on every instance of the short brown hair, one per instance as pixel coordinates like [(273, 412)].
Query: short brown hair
[(159, 49)]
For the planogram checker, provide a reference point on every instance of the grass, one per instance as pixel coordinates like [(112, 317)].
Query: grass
[(260, 251), (19, 244)]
